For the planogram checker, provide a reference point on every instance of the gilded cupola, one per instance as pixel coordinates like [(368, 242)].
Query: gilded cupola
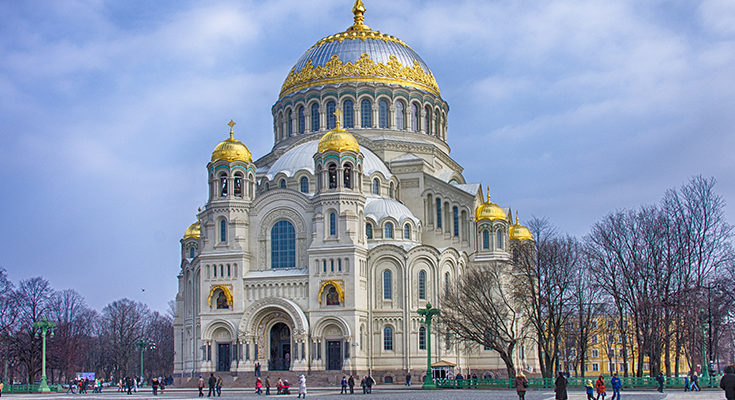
[(231, 149), (338, 139), (360, 54), (490, 211), (519, 232), (194, 231)]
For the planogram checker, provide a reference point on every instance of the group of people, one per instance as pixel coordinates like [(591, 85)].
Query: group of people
[(215, 385), (366, 383)]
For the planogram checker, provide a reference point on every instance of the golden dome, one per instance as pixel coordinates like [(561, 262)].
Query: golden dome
[(338, 139), (519, 232), (193, 231), (231, 149), (490, 211)]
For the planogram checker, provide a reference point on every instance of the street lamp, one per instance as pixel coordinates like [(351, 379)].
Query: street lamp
[(46, 327), (142, 345), (427, 314)]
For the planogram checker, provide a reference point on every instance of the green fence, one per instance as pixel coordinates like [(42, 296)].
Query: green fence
[(578, 382), (28, 388)]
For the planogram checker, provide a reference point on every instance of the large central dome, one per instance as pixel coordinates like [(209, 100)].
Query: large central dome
[(360, 54)]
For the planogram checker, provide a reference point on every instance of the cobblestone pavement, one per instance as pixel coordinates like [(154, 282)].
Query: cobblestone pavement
[(383, 394)]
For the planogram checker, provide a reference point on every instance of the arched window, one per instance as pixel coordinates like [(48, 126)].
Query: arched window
[(390, 190), (324, 265), (407, 231), (290, 123), (302, 121), (331, 118), (304, 185), (388, 338), (332, 224), (214, 271), (223, 185), (347, 172), (414, 118), (238, 185), (486, 239), (191, 252), (376, 186), (283, 245), (438, 213), (422, 338), (339, 265), (437, 125), (388, 230), (332, 176), (399, 116), (315, 117), (348, 114), (499, 239), (422, 285), (282, 184), (447, 278), (427, 120), (387, 285), (331, 265), (382, 114), (455, 216), (223, 230), (366, 114), (369, 230)]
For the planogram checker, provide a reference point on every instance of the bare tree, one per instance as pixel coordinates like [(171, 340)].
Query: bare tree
[(122, 323), (31, 301), (70, 348), (483, 309)]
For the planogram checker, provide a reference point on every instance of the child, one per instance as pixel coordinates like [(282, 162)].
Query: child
[(590, 390)]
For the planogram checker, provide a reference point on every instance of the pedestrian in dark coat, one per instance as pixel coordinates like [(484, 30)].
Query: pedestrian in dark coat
[(351, 384), (660, 379), (727, 383), (560, 387), (521, 385), (212, 383)]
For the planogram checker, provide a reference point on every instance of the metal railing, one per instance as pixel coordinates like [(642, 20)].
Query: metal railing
[(28, 388), (574, 382)]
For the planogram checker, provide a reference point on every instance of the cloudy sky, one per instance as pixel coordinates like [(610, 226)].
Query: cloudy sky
[(109, 111)]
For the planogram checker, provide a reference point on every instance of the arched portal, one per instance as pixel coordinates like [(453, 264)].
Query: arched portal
[(280, 348)]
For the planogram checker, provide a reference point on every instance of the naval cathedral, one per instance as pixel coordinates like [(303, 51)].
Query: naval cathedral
[(314, 258)]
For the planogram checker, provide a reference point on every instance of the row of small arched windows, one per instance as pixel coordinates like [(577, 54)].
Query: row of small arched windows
[(405, 118), (239, 186), (388, 285), (388, 231), (330, 266), (498, 239), (449, 220)]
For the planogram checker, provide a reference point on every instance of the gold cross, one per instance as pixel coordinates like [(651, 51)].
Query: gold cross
[(488, 193), (337, 113), (231, 125)]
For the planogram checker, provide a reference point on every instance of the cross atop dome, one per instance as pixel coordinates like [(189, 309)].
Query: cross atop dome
[(231, 124), (337, 114)]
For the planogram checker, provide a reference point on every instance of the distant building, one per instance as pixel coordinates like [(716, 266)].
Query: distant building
[(316, 256)]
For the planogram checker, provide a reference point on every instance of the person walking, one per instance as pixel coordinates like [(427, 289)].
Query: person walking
[(344, 385), (686, 383), (219, 386), (2, 386), (363, 383), (589, 388), (200, 384), (616, 385), (521, 385), (560, 386), (351, 384), (660, 379), (154, 386), (302, 387), (600, 386), (408, 379), (279, 386), (212, 382), (256, 371), (727, 382), (129, 384), (258, 386), (369, 381), (267, 385), (694, 385)]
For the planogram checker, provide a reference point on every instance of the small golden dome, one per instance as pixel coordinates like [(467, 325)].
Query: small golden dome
[(519, 232), (193, 231), (231, 149), (490, 211), (338, 139)]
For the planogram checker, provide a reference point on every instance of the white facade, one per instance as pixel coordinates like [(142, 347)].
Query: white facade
[(311, 280)]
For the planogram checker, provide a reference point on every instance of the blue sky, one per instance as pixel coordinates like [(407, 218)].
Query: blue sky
[(567, 109)]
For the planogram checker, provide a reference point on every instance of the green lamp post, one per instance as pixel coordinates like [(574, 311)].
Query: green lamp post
[(427, 314), (142, 345), (705, 359), (46, 327)]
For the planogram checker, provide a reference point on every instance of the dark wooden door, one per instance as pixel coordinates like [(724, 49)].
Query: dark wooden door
[(223, 357), (334, 354)]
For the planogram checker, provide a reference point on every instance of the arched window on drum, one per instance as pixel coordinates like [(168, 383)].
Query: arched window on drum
[(348, 114), (383, 114), (315, 117), (366, 114), (399, 115), (302, 120), (304, 185), (331, 118)]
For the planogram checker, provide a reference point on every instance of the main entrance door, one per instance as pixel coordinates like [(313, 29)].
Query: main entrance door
[(334, 354), (223, 357), (280, 348)]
